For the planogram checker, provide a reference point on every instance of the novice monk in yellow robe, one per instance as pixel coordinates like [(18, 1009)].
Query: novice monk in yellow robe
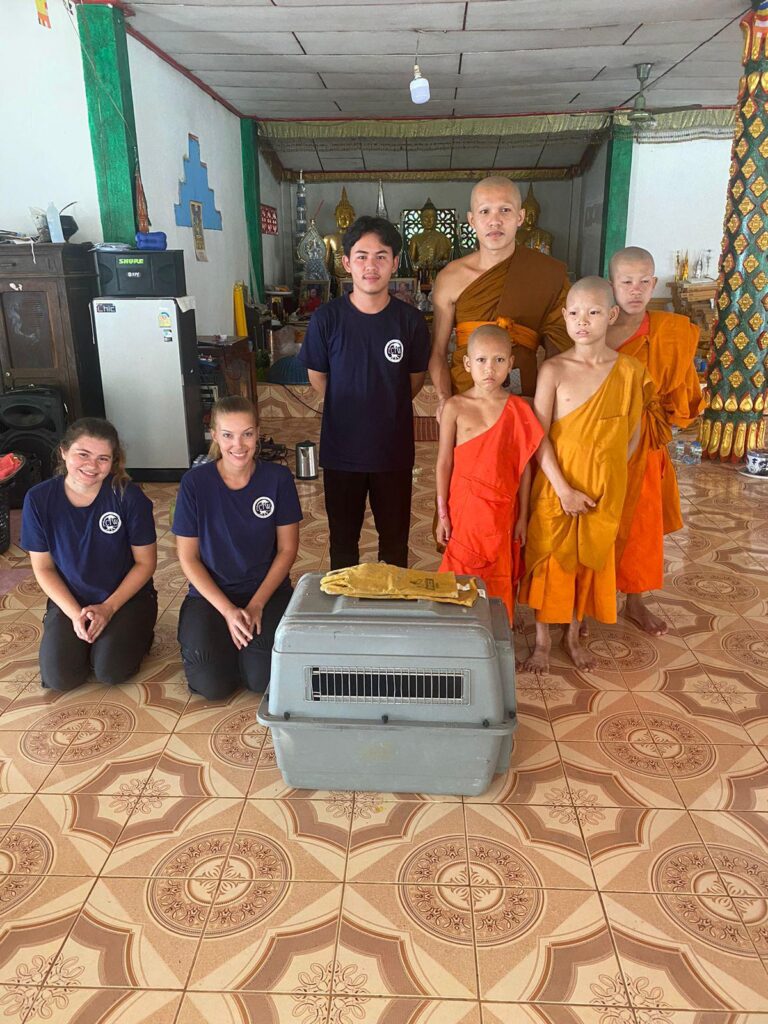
[(589, 399), (665, 343)]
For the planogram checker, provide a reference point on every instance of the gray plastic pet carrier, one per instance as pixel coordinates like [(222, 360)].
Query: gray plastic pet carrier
[(391, 696)]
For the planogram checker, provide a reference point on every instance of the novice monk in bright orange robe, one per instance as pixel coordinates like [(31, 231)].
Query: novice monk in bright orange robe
[(487, 438), (665, 343), (589, 399)]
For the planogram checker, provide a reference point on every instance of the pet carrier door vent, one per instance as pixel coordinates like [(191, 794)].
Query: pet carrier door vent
[(386, 686)]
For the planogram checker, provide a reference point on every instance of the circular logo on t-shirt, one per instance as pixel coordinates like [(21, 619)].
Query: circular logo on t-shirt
[(263, 507), (110, 522), (393, 350)]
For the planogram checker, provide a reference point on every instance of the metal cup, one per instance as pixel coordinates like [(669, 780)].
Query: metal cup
[(757, 463)]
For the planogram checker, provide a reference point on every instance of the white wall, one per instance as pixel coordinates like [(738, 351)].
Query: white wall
[(168, 108), (677, 199), (590, 224), (554, 197), (272, 245), (574, 226), (46, 144)]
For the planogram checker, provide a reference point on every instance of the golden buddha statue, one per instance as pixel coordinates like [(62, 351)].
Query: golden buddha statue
[(529, 233), (334, 249), (430, 249)]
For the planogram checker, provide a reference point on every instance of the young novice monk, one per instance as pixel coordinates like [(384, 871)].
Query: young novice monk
[(589, 399), (665, 343), (487, 438)]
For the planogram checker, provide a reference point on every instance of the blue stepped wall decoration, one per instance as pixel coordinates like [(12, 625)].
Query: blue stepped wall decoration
[(194, 186)]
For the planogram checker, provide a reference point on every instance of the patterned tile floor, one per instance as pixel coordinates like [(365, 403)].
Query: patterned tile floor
[(155, 868)]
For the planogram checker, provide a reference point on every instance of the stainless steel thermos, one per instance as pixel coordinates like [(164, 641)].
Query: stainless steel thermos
[(306, 460)]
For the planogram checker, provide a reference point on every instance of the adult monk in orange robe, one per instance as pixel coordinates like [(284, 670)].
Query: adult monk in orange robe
[(589, 399), (665, 343), (487, 438), (502, 283)]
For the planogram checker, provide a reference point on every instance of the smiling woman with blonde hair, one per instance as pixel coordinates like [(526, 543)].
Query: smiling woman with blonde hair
[(237, 534)]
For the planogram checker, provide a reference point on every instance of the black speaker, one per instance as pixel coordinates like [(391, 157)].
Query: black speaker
[(31, 473), (141, 273), (32, 409), (39, 448)]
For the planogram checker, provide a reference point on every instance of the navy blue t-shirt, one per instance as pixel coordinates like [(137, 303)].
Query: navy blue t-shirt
[(90, 546), (369, 357), (236, 530)]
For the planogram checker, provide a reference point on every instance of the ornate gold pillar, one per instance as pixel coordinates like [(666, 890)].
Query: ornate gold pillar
[(736, 372)]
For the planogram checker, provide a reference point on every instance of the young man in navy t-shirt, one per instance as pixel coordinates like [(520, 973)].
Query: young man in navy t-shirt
[(367, 353)]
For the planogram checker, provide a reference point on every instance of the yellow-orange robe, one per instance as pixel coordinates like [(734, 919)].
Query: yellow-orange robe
[(569, 560), (524, 294), (665, 343), (482, 502)]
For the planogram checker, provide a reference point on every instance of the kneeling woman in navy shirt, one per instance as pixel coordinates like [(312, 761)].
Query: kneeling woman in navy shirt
[(237, 532), (90, 535)]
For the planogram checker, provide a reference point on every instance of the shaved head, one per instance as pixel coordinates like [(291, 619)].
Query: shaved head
[(489, 332), (631, 254), (596, 286), (495, 182)]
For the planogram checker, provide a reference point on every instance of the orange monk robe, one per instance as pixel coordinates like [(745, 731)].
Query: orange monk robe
[(524, 294), (570, 559), (665, 343), (483, 505)]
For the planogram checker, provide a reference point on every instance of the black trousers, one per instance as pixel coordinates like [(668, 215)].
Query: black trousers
[(66, 661), (390, 498), (214, 667)]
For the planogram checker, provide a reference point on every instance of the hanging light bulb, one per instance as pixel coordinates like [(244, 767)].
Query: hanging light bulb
[(419, 86)]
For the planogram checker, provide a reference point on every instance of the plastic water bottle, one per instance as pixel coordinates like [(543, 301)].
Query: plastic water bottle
[(694, 449), (54, 222)]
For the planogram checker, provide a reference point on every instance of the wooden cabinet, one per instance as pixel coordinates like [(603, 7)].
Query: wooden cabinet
[(45, 325), (233, 360)]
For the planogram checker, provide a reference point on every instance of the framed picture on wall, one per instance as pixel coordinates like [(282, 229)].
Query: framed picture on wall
[(313, 294), (404, 288)]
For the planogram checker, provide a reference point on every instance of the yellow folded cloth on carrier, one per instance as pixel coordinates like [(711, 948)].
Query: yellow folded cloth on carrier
[(379, 580)]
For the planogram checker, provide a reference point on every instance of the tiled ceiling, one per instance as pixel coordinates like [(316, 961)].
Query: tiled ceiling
[(415, 154), (275, 59)]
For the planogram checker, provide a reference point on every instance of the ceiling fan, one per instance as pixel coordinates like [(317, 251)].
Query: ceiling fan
[(641, 116)]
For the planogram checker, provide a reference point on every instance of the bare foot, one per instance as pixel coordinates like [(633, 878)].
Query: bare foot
[(584, 630), (538, 662), (643, 618), (518, 622), (580, 656)]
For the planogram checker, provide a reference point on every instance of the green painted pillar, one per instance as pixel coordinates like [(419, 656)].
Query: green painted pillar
[(252, 203), (618, 170), (110, 116)]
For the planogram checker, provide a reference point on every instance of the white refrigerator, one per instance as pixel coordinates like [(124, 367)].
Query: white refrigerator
[(151, 381)]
